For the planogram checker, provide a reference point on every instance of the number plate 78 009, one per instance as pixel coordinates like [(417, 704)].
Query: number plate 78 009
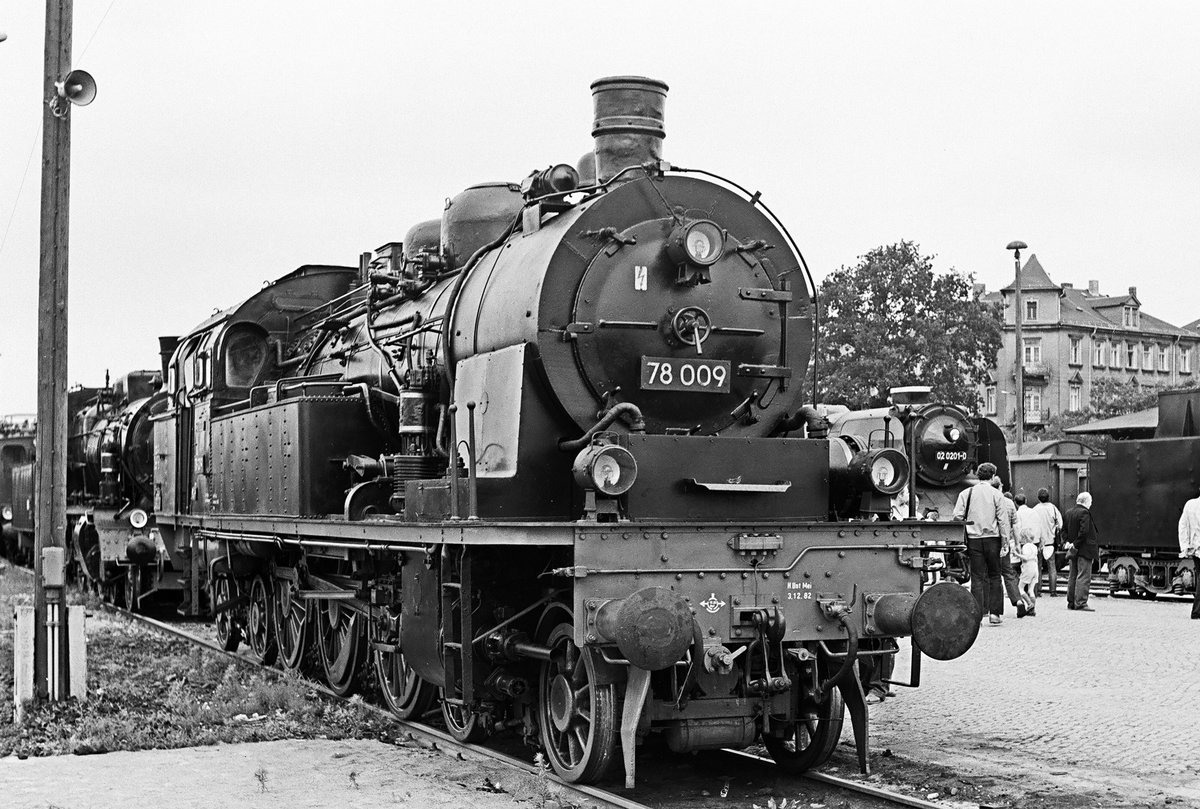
[(697, 375)]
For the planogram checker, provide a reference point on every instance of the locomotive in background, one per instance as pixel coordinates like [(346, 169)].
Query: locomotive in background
[(547, 461), (1139, 488), (113, 545), (17, 435)]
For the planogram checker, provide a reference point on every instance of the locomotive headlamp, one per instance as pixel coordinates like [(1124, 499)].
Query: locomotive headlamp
[(607, 468), (700, 242), (887, 469), (953, 433), (138, 518), (7, 512)]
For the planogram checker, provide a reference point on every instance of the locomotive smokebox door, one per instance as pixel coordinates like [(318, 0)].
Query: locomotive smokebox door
[(674, 347)]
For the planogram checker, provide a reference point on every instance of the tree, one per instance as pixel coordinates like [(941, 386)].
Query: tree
[(891, 320)]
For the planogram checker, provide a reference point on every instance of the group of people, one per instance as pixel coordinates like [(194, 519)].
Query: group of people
[(1011, 543), (1006, 534)]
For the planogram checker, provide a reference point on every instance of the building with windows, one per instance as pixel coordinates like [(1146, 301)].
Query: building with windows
[(1072, 338)]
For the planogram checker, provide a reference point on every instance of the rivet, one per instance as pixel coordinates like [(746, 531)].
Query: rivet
[(603, 537), (591, 638), (723, 575), (820, 628), (625, 535), (678, 576), (737, 631), (737, 601), (841, 554), (693, 610), (745, 575), (663, 557), (774, 599), (787, 574), (664, 534), (700, 575), (828, 574), (766, 575), (807, 575), (712, 631)]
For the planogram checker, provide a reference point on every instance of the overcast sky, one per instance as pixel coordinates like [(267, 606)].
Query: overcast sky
[(231, 142)]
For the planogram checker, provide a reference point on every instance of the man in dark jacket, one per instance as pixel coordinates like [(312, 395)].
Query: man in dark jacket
[(1081, 545)]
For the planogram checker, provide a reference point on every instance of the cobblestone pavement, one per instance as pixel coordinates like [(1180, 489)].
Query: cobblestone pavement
[(1103, 701)]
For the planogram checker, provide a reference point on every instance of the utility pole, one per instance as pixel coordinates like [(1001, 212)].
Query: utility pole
[(1017, 247), (51, 656)]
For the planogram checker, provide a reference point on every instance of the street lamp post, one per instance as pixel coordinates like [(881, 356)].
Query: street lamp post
[(1017, 247)]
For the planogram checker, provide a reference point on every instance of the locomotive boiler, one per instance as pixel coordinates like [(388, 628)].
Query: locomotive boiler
[(548, 461)]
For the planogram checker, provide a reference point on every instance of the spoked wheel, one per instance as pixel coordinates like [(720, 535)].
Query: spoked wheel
[(289, 614), (229, 634), (462, 723), (340, 643), (406, 694), (576, 716), (809, 741), (133, 587), (260, 632)]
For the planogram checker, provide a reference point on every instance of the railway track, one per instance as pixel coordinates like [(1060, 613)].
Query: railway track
[(583, 795)]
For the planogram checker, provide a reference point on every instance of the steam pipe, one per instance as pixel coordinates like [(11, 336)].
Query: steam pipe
[(810, 417), (851, 654), (453, 462), (637, 425), (472, 482)]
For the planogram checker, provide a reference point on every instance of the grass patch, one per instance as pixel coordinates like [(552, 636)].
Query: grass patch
[(148, 690)]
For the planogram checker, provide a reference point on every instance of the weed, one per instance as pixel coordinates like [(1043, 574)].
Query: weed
[(261, 776)]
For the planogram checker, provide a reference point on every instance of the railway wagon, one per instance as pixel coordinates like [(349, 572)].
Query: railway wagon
[(1138, 489), (548, 461)]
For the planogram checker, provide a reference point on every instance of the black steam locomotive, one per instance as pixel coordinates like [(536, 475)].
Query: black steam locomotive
[(1139, 488), (509, 463), (114, 546)]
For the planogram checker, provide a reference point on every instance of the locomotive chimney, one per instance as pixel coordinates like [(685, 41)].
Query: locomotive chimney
[(628, 124)]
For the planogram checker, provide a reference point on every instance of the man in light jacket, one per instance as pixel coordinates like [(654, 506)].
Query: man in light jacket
[(1189, 545), (988, 536)]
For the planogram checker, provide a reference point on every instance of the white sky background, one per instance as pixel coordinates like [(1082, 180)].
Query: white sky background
[(231, 142)]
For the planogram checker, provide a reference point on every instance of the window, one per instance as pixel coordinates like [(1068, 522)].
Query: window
[(1130, 317), (1033, 404), (1077, 351), (1162, 359), (1117, 351), (1131, 356), (1098, 354), (1031, 310), (1033, 351), (1148, 357), (990, 400), (1185, 359), (1075, 403)]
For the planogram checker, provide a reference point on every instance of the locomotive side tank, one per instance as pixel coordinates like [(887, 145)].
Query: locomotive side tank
[(537, 463)]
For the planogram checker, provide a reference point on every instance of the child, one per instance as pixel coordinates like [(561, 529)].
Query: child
[(1029, 570)]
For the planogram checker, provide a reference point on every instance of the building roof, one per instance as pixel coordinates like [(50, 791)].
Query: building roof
[(1193, 326), (1059, 446), (1033, 277), (1141, 424)]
